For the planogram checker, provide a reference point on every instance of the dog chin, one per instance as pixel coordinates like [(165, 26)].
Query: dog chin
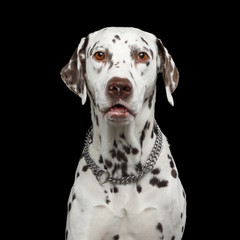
[(118, 121)]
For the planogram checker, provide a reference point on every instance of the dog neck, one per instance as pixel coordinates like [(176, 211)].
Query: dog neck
[(123, 150)]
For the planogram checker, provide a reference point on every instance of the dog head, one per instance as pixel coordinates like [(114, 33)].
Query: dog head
[(117, 68)]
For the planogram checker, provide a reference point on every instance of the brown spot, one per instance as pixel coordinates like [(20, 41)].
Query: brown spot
[(159, 227), (107, 201)]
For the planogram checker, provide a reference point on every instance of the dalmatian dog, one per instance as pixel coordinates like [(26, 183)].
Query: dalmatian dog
[(126, 184)]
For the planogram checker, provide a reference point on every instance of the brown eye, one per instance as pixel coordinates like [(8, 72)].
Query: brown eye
[(142, 57), (100, 56)]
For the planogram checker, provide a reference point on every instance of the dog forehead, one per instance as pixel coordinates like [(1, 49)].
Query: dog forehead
[(127, 35)]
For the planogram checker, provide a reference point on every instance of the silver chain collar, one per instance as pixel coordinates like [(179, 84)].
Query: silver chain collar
[(103, 175)]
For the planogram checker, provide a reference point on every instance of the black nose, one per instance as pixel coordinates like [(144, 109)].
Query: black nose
[(119, 88)]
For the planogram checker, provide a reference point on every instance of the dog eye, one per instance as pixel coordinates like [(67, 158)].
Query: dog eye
[(142, 57), (99, 56)]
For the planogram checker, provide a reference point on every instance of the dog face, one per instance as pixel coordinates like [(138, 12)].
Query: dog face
[(118, 68)]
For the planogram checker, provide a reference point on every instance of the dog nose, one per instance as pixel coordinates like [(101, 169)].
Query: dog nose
[(119, 88)]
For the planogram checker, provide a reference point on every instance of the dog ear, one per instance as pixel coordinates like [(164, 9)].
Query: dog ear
[(168, 69), (74, 73)]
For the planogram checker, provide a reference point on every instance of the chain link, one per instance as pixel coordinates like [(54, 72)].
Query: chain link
[(104, 176)]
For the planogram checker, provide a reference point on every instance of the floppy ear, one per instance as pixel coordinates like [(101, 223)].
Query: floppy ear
[(73, 73), (168, 69)]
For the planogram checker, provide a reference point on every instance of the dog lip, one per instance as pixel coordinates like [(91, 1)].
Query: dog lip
[(121, 107)]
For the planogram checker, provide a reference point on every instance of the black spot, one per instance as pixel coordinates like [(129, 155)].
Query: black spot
[(124, 169), (127, 149), (154, 181), (69, 207), (108, 163), (126, 42), (116, 237), (114, 40), (135, 151), (134, 52), (85, 168), (171, 164), (142, 137), (162, 183), (96, 116), (131, 75), (124, 61), (105, 191), (156, 171), (144, 40), (122, 136), (173, 238), (182, 228), (66, 234), (174, 173), (184, 195), (138, 167), (159, 183), (78, 174), (181, 215), (139, 188), (107, 201), (159, 227), (116, 167), (100, 159), (143, 133), (150, 100), (115, 144), (117, 37), (115, 189), (73, 197), (147, 64), (110, 64), (121, 156), (113, 153), (152, 134)]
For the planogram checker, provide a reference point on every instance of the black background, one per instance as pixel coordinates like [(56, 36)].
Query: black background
[(48, 122)]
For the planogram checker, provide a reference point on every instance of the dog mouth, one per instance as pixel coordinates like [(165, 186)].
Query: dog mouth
[(118, 112)]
